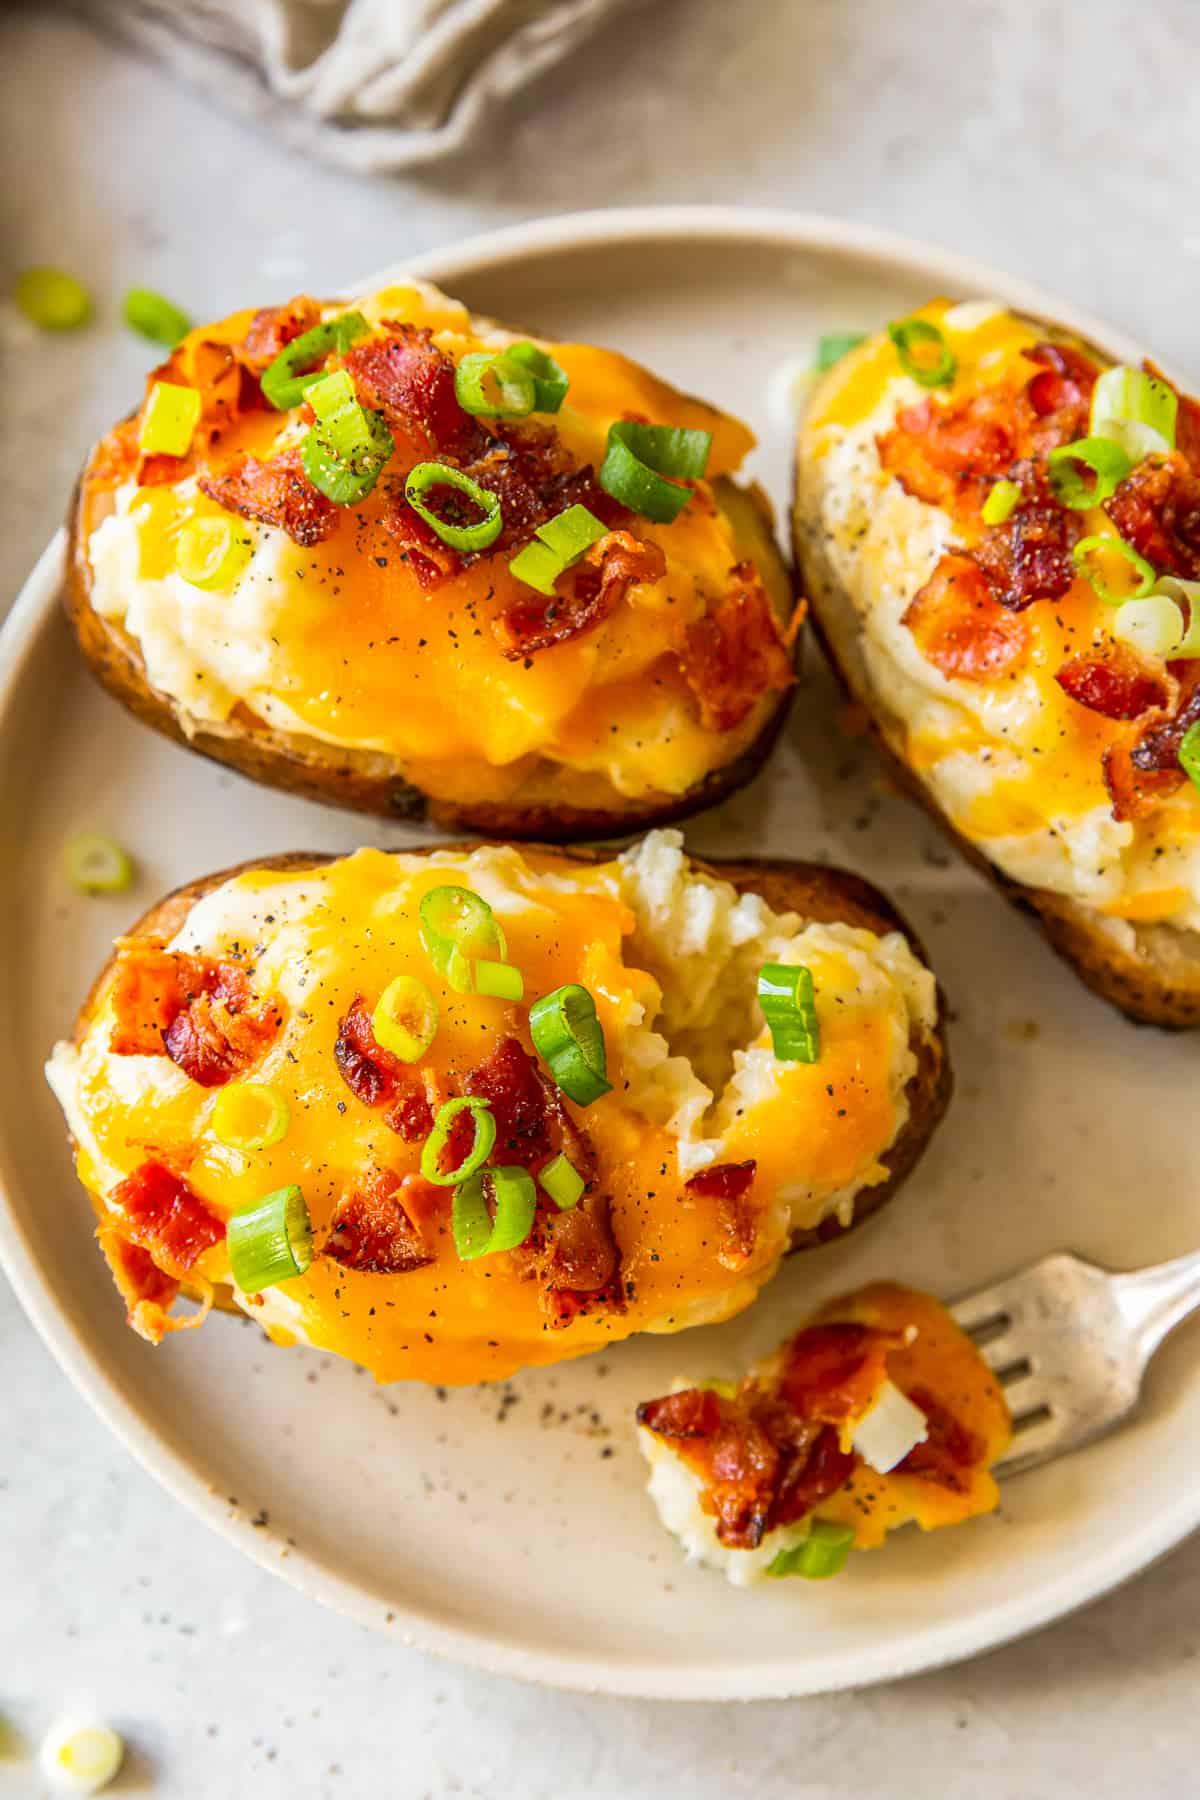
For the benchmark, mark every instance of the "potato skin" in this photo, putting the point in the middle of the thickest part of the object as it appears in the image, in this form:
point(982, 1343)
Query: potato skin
point(368, 782)
point(825, 895)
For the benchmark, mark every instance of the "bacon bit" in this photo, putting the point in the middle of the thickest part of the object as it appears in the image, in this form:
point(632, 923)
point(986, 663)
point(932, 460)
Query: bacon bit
point(729, 1184)
point(165, 1218)
point(198, 1010)
point(378, 1078)
point(1056, 401)
point(522, 1102)
point(1157, 750)
point(411, 1118)
point(411, 382)
point(691, 1413)
point(735, 654)
point(1157, 510)
point(372, 1232)
point(960, 626)
point(1135, 793)
point(1029, 558)
point(273, 327)
point(950, 1449)
point(148, 1293)
point(595, 588)
point(276, 492)
point(578, 1262)
point(1113, 681)
point(807, 1481)
point(431, 561)
point(831, 1370)
point(949, 455)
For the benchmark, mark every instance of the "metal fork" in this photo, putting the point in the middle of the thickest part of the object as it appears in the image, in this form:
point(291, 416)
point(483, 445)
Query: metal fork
point(1070, 1342)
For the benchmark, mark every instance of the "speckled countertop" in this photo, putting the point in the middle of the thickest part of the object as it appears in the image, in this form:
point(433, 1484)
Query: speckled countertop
point(1057, 140)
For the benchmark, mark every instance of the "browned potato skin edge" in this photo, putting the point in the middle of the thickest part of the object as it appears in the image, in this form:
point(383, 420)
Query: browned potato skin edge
point(818, 893)
point(115, 660)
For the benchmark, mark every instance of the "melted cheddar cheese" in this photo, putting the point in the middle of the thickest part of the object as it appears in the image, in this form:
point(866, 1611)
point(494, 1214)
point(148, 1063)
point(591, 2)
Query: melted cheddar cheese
point(695, 1084)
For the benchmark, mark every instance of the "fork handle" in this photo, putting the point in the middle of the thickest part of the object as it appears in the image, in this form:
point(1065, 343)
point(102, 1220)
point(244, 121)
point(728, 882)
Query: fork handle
point(1154, 1301)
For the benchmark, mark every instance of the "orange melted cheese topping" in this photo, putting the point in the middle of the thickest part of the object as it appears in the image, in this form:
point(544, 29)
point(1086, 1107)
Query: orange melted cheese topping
point(339, 641)
point(320, 939)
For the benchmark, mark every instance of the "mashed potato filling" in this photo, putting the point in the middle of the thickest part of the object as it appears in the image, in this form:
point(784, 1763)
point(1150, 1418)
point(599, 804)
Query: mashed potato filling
point(670, 957)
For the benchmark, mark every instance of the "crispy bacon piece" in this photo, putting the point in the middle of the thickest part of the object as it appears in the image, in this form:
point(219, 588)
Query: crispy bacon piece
point(1157, 510)
point(1157, 750)
point(525, 1106)
point(729, 1184)
point(960, 626)
point(378, 1078)
point(691, 1413)
point(735, 654)
point(593, 590)
point(1135, 792)
point(372, 1231)
point(1057, 400)
point(830, 1370)
point(950, 1450)
point(1114, 681)
point(1029, 558)
point(148, 1293)
point(198, 1010)
point(162, 1215)
point(411, 382)
point(949, 455)
point(273, 327)
point(276, 492)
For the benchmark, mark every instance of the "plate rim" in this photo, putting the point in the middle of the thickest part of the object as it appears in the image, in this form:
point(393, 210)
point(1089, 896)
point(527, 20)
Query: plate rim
point(34, 613)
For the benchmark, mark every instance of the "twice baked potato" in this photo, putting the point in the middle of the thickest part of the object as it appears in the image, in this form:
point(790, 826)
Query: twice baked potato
point(879, 1413)
point(396, 559)
point(454, 1112)
point(999, 535)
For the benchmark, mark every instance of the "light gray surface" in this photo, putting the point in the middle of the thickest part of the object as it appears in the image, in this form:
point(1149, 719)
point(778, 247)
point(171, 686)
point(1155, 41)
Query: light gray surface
point(1065, 155)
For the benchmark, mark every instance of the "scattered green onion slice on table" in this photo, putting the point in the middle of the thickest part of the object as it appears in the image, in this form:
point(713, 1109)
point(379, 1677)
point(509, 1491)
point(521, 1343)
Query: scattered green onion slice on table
point(500, 980)
point(637, 459)
point(820, 1554)
point(833, 345)
point(476, 1231)
point(154, 317)
point(1135, 410)
point(457, 925)
point(923, 351)
point(1084, 556)
point(250, 1115)
point(489, 384)
point(785, 994)
point(435, 1143)
point(342, 480)
point(557, 544)
point(405, 1019)
point(169, 419)
point(96, 864)
point(475, 535)
point(285, 382)
point(1001, 503)
point(270, 1240)
point(52, 299)
point(569, 1038)
point(562, 1181)
point(211, 553)
point(1107, 461)
point(550, 379)
point(1189, 753)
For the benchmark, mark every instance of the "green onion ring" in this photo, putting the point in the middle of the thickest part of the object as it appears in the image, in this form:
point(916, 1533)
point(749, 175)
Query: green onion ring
point(1001, 503)
point(211, 553)
point(488, 384)
point(476, 1232)
point(54, 300)
point(96, 864)
point(562, 1181)
point(405, 1019)
point(155, 318)
point(455, 926)
point(435, 1143)
point(273, 1120)
point(169, 419)
point(569, 1038)
point(1107, 462)
point(500, 980)
point(639, 456)
point(285, 382)
point(785, 994)
point(1185, 594)
point(1099, 541)
point(907, 335)
point(1136, 410)
point(270, 1240)
point(550, 379)
point(557, 544)
point(428, 475)
point(818, 1555)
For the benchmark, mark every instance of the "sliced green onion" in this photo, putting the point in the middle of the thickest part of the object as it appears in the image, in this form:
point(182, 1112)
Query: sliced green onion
point(550, 379)
point(1186, 596)
point(435, 1143)
point(557, 544)
point(52, 299)
point(785, 993)
point(170, 417)
point(79, 1756)
point(916, 340)
point(270, 1240)
point(1088, 548)
point(211, 553)
point(639, 456)
point(1135, 410)
point(477, 536)
point(346, 430)
point(487, 384)
point(833, 345)
point(563, 1182)
point(155, 318)
point(1153, 625)
point(1189, 753)
point(822, 1553)
point(405, 1019)
point(345, 479)
point(569, 1038)
point(295, 369)
point(457, 925)
point(1001, 503)
point(1107, 461)
point(95, 864)
point(476, 1232)
point(249, 1115)
point(499, 979)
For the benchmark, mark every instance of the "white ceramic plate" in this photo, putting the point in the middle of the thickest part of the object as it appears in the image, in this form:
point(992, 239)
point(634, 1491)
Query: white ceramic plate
point(508, 1528)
